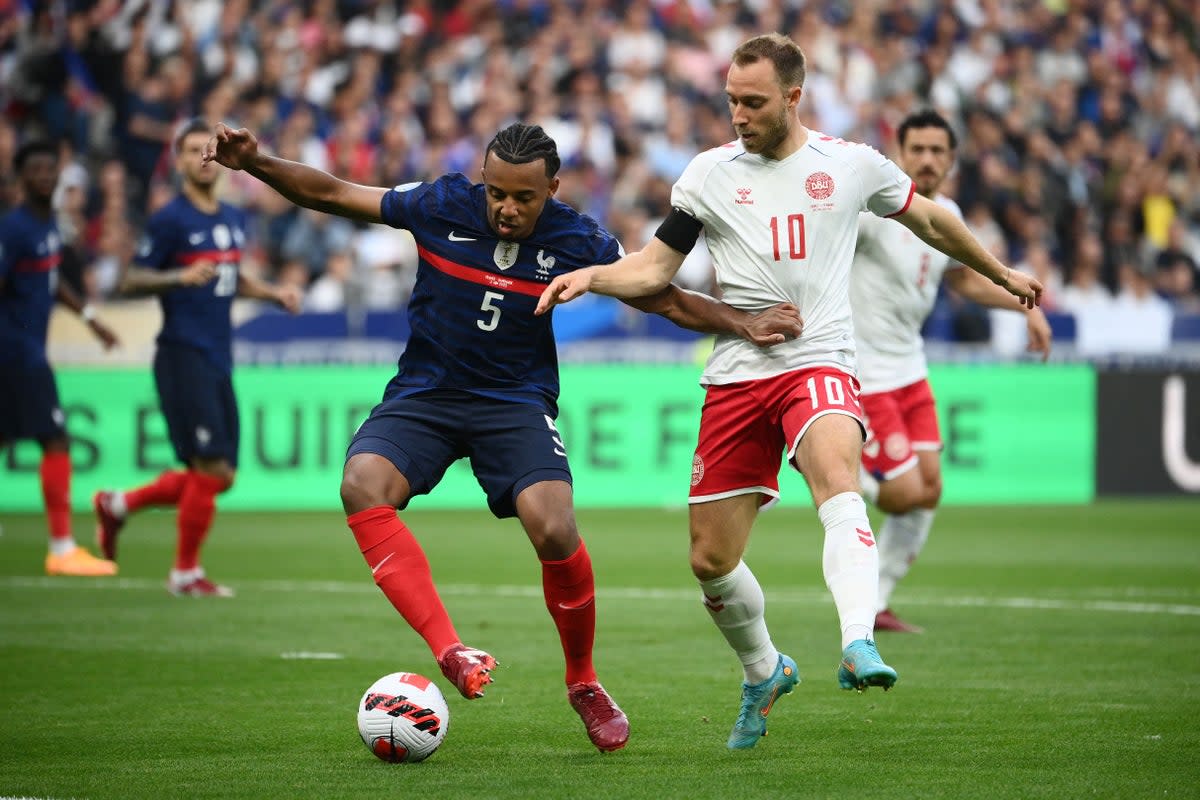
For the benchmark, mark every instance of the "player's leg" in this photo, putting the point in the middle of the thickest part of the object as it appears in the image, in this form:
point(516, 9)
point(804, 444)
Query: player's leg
point(823, 424)
point(206, 478)
point(38, 415)
point(735, 470)
point(401, 439)
point(521, 462)
point(112, 507)
point(904, 533)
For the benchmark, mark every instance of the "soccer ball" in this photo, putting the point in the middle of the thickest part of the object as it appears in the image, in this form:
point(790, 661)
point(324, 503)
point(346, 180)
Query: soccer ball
point(403, 717)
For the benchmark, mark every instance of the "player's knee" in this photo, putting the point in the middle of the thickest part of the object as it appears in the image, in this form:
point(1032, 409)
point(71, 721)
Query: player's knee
point(708, 564)
point(554, 539)
point(933, 493)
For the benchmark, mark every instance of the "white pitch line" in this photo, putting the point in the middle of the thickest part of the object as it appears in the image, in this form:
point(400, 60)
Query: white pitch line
point(800, 596)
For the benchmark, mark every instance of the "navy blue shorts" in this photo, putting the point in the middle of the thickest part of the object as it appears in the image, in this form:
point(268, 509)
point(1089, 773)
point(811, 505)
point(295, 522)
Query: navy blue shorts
point(29, 406)
point(511, 445)
point(198, 403)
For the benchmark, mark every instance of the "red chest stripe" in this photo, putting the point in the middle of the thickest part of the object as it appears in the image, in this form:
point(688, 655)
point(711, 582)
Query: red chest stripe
point(210, 255)
point(44, 264)
point(482, 277)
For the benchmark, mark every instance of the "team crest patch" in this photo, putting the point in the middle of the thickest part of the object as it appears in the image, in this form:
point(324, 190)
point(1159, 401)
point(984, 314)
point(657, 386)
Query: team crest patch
point(819, 185)
point(505, 254)
point(697, 470)
point(896, 446)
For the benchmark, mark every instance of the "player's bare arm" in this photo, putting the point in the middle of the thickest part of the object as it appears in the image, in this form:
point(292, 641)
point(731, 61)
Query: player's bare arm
point(637, 274)
point(66, 295)
point(286, 297)
point(940, 228)
point(977, 289)
point(699, 312)
point(141, 280)
point(301, 184)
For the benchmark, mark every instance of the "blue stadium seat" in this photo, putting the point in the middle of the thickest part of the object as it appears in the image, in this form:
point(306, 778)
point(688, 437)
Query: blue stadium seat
point(1186, 328)
point(1062, 325)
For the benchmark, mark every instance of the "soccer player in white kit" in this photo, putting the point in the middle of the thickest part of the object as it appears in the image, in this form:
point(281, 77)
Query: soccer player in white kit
point(893, 286)
point(780, 211)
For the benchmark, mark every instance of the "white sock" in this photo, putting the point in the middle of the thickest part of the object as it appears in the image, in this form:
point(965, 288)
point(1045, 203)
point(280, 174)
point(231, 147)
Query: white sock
point(900, 541)
point(60, 547)
point(736, 604)
point(116, 504)
point(868, 485)
point(851, 563)
point(182, 577)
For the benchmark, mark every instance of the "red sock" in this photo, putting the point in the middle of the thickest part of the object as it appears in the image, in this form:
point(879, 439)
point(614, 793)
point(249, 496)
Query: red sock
point(165, 490)
point(402, 572)
point(197, 506)
point(570, 590)
point(56, 492)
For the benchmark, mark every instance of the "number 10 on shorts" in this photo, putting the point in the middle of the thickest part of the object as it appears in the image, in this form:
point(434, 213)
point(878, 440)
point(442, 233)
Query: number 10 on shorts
point(834, 394)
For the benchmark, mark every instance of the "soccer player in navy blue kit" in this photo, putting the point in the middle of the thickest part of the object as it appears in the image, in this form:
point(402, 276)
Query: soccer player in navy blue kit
point(191, 257)
point(479, 379)
point(29, 407)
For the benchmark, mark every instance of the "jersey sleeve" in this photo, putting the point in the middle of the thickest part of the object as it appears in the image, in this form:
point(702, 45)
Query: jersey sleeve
point(405, 206)
point(685, 194)
point(886, 190)
point(157, 244)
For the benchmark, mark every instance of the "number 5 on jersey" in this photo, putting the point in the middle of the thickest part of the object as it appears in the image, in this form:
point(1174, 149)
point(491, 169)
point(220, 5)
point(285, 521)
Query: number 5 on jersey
point(488, 299)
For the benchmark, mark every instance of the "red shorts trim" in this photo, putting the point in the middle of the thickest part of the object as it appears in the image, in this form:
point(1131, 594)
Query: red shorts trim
point(747, 427)
point(899, 422)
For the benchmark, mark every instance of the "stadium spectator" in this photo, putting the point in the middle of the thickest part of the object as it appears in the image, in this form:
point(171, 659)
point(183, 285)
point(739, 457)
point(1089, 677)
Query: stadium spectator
point(479, 378)
point(30, 255)
point(191, 257)
point(801, 397)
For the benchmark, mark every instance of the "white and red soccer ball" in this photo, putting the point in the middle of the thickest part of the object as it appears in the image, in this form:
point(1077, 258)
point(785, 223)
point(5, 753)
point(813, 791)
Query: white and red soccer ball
point(403, 717)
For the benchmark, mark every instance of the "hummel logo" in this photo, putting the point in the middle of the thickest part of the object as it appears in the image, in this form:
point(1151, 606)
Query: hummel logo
point(454, 237)
point(375, 568)
point(196, 238)
point(744, 197)
point(865, 537)
point(713, 604)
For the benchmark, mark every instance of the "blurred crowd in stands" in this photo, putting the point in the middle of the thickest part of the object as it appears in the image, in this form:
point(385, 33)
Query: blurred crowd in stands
point(1079, 119)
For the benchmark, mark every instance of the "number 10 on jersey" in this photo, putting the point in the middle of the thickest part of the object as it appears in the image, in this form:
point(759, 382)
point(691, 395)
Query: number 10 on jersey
point(793, 230)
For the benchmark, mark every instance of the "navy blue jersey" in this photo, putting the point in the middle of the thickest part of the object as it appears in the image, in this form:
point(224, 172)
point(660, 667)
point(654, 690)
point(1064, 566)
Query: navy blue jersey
point(197, 316)
point(30, 252)
point(471, 311)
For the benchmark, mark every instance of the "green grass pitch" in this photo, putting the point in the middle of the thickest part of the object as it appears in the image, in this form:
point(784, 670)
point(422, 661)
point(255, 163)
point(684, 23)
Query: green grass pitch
point(1062, 660)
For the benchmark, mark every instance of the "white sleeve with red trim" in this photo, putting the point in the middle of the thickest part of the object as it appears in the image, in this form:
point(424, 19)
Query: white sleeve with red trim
point(886, 190)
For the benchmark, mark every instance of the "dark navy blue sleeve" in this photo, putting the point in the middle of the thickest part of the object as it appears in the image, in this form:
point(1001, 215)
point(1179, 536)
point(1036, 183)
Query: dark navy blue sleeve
point(158, 243)
point(406, 206)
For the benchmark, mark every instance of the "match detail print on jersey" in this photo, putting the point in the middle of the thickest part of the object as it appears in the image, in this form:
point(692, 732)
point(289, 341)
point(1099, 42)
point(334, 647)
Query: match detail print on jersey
point(479, 276)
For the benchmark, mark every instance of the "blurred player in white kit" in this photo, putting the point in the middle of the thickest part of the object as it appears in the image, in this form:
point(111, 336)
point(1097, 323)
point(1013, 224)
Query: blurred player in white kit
point(893, 287)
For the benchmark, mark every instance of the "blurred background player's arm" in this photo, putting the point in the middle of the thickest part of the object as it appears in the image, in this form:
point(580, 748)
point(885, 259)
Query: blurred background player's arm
point(978, 289)
point(699, 312)
point(287, 297)
point(301, 184)
point(143, 280)
point(66, 295)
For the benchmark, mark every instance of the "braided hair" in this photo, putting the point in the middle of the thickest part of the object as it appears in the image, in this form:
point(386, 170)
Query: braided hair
point(521, 144)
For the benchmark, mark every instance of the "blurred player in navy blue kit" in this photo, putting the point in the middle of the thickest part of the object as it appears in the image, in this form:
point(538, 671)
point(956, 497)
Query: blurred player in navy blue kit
point(191, 258)
point(479, 379)
point(29, 408)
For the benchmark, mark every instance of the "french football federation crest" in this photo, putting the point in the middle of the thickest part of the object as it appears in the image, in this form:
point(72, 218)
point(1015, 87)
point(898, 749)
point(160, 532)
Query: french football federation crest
point(222, 238)
point(505, 254)
point(545, 263)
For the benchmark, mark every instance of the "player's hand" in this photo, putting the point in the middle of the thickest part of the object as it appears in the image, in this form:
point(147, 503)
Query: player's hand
point(229, 148)
point(1038, 333)
point(564, 289)
point(198, 274)
point(775, 325)
point(289, 298)
point(104, 333)
point(1026, 288)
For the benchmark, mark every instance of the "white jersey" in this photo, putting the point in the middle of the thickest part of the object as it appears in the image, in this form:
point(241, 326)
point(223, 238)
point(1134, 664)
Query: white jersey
point(784, 232)
point(893, 286)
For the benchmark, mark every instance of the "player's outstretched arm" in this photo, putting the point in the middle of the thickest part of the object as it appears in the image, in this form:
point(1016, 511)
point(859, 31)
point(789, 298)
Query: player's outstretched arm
point(940, 228)
point(286, 297)
point(699, 312)
point(635, 275)
point(299, 183)
point(976, 288)
point(143, 280)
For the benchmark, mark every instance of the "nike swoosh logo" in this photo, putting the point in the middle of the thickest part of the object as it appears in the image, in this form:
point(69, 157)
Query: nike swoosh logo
point(375, 568)
point(454, 237)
